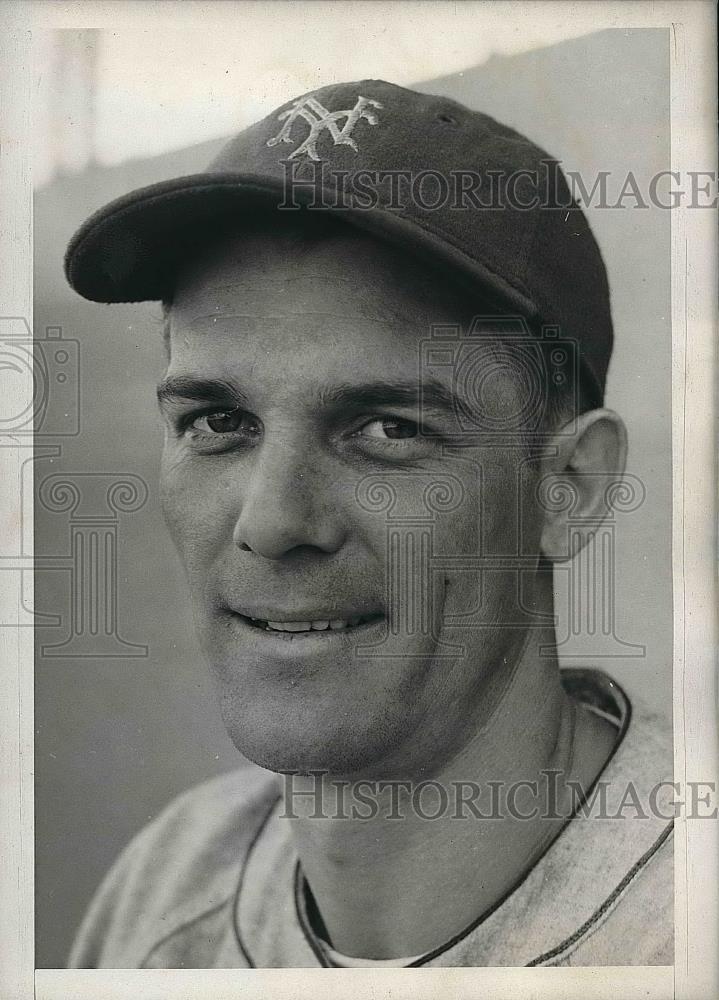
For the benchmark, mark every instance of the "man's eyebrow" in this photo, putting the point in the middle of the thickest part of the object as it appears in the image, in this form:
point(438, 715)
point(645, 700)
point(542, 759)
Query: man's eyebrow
point(203, 390)
point(430, 394)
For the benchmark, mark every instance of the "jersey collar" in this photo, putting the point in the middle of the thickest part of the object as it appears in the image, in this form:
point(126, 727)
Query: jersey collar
point(570, 882)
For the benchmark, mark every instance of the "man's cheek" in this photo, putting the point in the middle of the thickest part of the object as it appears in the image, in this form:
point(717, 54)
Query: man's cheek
point(175, 505)
point(500, 504)
point(186, 498)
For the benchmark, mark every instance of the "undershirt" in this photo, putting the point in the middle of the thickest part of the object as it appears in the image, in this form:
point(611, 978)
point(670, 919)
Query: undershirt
point(347, 962)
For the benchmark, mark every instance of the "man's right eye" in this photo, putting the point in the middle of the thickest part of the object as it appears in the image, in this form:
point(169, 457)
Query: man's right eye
point(226, 422)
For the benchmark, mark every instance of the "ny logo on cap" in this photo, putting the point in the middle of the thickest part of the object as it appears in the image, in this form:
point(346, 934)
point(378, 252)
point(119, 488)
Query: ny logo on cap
point(319, 118)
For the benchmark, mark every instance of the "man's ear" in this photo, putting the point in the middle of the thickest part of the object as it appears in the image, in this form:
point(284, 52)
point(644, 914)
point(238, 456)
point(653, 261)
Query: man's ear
point(576, 483)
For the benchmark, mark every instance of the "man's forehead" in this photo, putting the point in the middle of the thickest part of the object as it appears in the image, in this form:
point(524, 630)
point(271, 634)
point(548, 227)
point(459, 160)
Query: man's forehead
point(248, 304)
point(317, 362)
point(298, 268)
point(319, 307)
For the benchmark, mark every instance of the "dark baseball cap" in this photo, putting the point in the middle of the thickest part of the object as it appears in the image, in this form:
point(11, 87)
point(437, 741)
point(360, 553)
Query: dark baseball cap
point(448, 184)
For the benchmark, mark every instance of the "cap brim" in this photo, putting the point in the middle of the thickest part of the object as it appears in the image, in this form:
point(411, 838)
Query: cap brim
point(130, 250)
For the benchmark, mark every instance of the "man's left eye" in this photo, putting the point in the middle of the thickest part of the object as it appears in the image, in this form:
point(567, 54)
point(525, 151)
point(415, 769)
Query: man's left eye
point(389, 429)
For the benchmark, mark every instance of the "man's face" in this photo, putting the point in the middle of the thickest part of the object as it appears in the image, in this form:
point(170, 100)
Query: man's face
point(300, 493)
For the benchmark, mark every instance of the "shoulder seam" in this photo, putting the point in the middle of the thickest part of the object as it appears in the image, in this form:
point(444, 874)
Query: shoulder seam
point(184, 926)
point(608, 902)
point(229, 898)
point(241, 881)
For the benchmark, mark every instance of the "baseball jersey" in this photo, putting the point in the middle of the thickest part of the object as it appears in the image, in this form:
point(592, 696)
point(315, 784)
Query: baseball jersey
point(215, 881)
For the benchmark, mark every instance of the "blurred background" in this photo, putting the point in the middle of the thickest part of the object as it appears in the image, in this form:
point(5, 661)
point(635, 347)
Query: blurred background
point(125, 717)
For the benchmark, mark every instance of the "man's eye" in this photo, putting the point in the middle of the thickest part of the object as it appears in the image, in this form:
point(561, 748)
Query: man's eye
point(389, 428)
point(226, 422)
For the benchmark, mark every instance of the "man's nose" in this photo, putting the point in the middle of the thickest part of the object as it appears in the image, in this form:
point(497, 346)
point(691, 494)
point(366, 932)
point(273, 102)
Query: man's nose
point(285, 504)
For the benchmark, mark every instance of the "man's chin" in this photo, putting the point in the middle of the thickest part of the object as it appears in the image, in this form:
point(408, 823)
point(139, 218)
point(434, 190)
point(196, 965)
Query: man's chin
point(291, 746)
point(348, 716)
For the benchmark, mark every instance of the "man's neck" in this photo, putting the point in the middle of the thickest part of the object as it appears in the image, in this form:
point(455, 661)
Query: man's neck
point(401, 886)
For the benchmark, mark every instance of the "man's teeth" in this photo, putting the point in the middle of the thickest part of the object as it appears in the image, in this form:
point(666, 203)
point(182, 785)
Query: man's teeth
point(318, 626)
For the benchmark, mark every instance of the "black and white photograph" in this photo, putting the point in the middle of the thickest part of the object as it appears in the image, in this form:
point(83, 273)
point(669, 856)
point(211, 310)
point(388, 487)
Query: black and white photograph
point(364, 494)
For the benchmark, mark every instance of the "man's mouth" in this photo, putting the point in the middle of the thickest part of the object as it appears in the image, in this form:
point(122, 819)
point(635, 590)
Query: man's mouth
point(299, 626)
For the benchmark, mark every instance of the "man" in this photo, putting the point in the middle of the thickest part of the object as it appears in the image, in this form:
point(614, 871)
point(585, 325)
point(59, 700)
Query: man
point(388, 333)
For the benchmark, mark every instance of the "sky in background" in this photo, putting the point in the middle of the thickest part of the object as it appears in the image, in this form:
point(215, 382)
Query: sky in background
point(165, 76)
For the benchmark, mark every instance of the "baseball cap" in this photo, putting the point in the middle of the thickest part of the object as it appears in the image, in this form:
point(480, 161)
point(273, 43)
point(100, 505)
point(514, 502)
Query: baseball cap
point(446, 183)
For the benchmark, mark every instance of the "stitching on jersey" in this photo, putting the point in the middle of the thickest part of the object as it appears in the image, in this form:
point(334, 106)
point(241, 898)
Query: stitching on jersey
point(182, 927)
point(214, 909)
point(464, 934)
point(611, 899)
point(241, 881)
